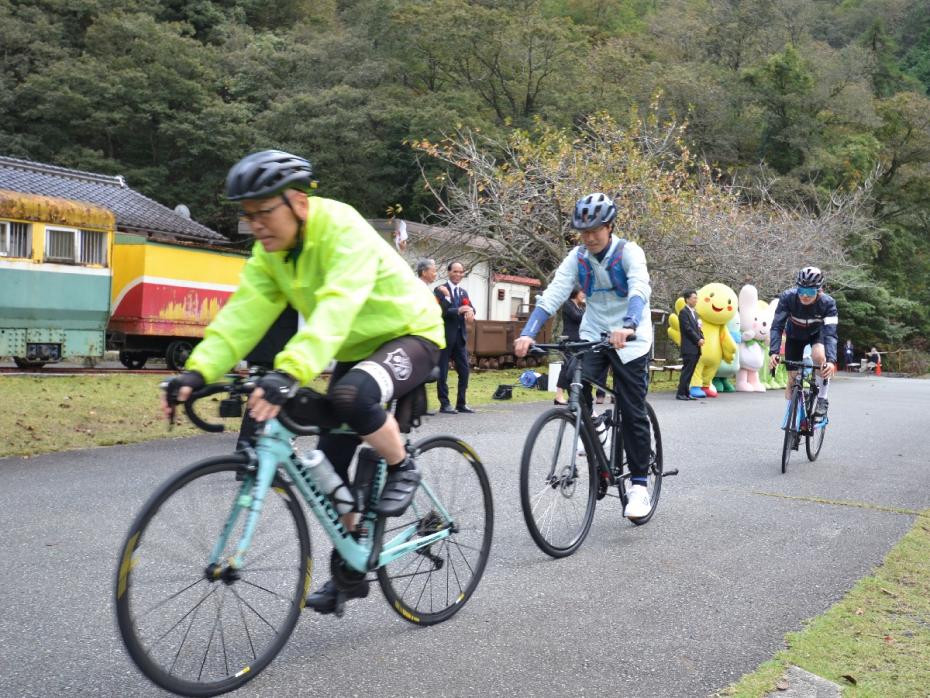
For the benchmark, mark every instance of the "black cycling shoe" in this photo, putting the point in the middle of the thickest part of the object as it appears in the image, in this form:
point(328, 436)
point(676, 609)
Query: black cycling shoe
point(820, 409)
point(399, 488)
point(326, 599)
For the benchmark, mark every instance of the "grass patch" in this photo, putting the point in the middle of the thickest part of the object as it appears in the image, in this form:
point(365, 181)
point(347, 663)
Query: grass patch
point(876, 641)
point(58, 413)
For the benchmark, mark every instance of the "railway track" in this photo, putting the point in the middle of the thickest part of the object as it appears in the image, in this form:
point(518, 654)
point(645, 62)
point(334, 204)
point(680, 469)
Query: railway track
point(64, 371)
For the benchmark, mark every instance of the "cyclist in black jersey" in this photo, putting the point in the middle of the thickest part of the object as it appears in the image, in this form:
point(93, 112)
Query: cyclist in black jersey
point(807, 315)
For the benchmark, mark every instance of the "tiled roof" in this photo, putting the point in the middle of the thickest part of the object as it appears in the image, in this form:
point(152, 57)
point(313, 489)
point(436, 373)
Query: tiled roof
point(134, 212)
point(436, 233)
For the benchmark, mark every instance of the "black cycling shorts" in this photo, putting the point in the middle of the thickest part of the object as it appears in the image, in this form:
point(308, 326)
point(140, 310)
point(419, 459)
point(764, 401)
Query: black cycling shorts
point(794, 348)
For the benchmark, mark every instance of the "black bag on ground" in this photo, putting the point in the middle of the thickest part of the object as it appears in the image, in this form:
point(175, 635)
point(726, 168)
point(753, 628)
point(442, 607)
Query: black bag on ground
point(503, 392)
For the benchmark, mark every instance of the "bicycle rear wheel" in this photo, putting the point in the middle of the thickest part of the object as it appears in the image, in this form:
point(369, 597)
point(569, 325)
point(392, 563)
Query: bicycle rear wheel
point(654, 474)
point(432, 583)
point(558, 500)
point(187, 630)
point(792, 437)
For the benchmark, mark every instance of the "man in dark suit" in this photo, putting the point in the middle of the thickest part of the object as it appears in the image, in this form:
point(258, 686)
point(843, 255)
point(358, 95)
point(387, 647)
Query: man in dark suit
point(457, 310)
point(692, 339)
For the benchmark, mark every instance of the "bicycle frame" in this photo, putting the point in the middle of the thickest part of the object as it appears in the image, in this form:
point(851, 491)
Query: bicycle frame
point(273, 451)
point(803, 374)
point(605, 463)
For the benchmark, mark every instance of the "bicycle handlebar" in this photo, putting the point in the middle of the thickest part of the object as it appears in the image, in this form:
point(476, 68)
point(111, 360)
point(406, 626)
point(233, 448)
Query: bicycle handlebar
point(294, 427)
point(238, 386)
point(206, 391)
point(797, 365)
point(575, 347)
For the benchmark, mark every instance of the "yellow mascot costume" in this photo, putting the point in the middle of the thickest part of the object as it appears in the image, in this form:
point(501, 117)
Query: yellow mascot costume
point(716, 306)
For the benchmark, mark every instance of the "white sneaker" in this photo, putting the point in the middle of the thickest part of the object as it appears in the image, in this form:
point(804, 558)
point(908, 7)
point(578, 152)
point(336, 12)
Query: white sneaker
point(638, 503)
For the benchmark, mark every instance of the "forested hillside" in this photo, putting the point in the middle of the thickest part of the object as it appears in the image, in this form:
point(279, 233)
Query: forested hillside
point(813, 96)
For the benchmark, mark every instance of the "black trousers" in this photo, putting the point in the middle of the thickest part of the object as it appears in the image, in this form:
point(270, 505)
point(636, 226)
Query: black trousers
point(687, 372)
point(631, 382)
point(459, 354)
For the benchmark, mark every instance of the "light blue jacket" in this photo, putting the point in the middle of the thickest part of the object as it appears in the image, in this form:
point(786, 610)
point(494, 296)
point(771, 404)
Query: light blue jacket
point(605, 310)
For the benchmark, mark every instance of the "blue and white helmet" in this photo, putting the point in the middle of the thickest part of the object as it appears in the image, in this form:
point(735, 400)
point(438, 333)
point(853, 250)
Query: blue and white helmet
point(592, 211)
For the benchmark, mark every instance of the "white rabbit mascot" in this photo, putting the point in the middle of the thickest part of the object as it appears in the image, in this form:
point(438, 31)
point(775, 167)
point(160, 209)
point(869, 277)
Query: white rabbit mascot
point(754, 348)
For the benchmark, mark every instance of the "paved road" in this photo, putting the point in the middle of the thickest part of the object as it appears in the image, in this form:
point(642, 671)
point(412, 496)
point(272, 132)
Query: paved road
point(736, 556)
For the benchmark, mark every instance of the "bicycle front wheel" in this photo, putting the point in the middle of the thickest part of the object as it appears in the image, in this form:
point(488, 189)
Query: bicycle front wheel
point(189, 630)
point(431, 584)
point(558, 498)
point(792, 437)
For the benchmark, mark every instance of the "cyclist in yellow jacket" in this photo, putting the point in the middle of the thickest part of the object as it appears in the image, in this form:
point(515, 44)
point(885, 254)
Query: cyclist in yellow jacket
point(362, 305)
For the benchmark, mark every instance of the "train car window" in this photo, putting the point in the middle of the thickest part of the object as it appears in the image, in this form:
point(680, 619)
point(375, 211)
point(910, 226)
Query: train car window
point(93, 247)
point(15, 239)
point(60, 245)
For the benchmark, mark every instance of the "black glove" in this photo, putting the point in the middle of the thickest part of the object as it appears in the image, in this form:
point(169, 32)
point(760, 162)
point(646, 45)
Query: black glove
point(189, 379)
point(279, 387)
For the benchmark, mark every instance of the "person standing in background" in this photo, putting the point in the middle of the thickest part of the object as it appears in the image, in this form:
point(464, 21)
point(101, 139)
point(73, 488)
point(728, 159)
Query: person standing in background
point(572, 313)
point(457, 312)
point(426, 271)
point(692, 339)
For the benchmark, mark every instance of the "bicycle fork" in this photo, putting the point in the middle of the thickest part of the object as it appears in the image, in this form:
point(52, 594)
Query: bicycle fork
point(256, 482)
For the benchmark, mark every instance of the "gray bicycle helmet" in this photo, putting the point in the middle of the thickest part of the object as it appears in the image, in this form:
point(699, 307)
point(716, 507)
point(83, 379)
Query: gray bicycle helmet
point(810, 277)
point(592, 211)
point(267, 173)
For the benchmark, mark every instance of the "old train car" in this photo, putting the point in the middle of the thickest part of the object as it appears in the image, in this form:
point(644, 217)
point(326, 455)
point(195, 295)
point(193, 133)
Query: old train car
point(55, 277)
point(490, 343)
point(164, 295)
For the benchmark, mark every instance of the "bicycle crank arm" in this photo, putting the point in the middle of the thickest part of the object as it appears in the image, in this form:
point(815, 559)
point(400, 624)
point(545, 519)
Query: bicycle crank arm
point(670, 473)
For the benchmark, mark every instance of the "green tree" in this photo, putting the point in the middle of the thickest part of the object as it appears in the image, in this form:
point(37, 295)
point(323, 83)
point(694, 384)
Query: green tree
point(783, 87)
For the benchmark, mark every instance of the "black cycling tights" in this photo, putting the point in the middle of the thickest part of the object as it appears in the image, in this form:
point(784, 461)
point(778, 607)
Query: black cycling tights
point(359, 390)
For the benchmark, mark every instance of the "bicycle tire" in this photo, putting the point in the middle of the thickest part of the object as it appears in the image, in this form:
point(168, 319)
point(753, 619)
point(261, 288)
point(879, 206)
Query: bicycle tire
point(813, 440)
point(548, 469)
point(429, 585)
point(791, 434)
point(164, 558)
point(655, 468)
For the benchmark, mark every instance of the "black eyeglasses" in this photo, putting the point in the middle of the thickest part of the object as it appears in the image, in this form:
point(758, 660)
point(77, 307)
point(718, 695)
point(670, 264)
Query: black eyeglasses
point(261, 214)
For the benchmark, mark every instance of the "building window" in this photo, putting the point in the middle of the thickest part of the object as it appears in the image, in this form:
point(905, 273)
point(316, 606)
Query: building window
point(59, 245)
point(15, 239)
point(71, 246)
point(516, 305)
point(93, 248)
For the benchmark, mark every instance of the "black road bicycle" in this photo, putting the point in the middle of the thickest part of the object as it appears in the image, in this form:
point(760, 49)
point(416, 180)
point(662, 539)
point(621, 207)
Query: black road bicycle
point(565, 468)
point(799, 418)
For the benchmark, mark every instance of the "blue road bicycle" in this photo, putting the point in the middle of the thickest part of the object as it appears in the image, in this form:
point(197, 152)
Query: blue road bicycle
point(214, 571)
point(798, 421)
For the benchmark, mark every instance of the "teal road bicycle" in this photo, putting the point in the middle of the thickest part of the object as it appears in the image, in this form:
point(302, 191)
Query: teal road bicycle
point(214, 571)
point(798, 421)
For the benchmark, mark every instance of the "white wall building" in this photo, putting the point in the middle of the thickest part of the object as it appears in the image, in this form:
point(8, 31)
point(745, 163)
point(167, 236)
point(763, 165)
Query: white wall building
point(494, 296)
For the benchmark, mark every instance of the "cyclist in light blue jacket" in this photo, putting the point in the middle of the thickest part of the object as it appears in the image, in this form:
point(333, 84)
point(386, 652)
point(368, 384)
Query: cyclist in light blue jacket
point(613, 274)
